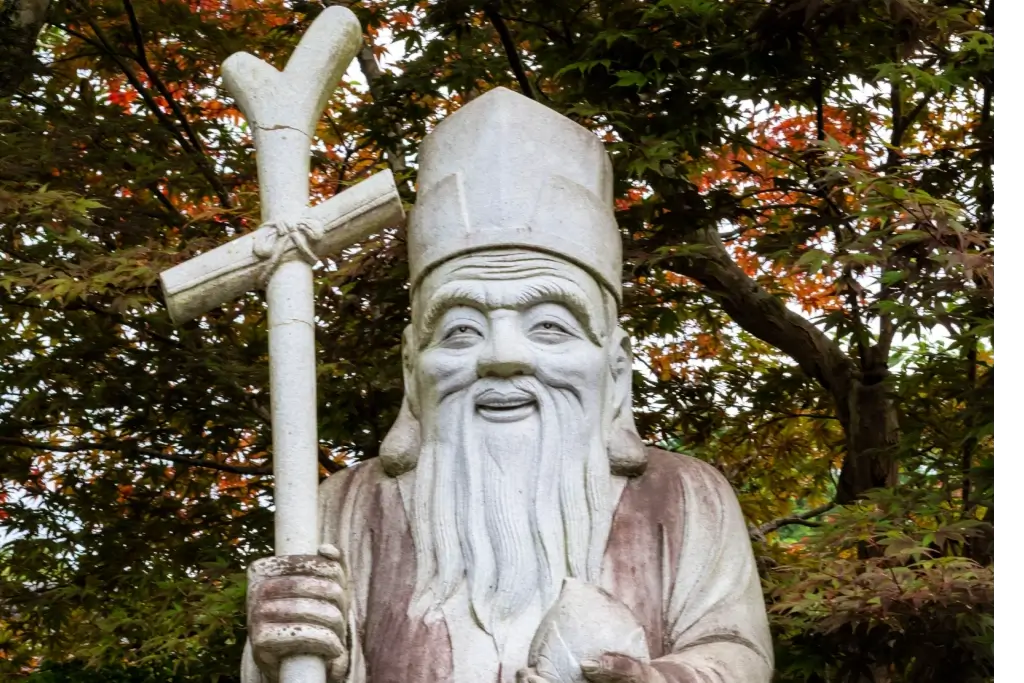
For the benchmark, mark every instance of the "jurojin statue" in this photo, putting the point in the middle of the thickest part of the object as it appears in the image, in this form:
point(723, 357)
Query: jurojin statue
point(514, 525)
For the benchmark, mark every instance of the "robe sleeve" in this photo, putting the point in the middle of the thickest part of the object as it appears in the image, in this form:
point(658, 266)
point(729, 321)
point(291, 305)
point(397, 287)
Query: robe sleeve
point(716, 626)
point(340, 526)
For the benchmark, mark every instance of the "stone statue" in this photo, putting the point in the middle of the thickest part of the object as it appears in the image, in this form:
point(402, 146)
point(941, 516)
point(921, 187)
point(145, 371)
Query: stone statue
point(514, 527)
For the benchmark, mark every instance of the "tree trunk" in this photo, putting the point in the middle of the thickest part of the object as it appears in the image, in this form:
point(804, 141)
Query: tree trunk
point(870, 423)
point(859, 390)
point(20, 23)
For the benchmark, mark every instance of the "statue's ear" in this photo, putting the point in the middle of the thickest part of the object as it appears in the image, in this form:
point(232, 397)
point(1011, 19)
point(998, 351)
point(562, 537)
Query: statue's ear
point(409, 351)
point(627, 454)
point(400, 449)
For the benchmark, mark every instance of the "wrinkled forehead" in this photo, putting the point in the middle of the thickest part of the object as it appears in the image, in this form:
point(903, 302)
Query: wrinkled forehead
point(512, 278)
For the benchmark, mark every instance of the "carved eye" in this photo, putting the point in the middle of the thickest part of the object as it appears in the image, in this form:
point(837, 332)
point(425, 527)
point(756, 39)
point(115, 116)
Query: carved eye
point(460, 336)
point(549, 332)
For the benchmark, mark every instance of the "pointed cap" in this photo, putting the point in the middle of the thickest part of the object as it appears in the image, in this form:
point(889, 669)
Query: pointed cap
point(506, 171)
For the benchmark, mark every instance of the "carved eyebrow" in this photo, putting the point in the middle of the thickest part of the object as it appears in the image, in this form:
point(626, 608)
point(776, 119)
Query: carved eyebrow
point(539, 290)
point(565, 293)
point(446, 297)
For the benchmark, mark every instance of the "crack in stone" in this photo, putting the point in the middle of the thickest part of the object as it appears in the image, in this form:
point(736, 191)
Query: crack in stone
point(282, 126)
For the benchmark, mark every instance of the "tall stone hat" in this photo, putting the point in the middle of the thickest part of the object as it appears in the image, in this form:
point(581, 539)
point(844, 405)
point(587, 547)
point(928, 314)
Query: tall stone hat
point(506, 171)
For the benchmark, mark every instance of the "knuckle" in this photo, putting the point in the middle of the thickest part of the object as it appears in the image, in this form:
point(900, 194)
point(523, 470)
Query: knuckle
point(296, 587)
point(336, 594)
point(295, 565)
point(300, 611)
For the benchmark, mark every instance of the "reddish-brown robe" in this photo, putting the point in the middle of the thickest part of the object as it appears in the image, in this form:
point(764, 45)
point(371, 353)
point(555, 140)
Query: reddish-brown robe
point(678, 555)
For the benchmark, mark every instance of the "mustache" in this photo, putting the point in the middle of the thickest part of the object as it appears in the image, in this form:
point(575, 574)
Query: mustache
point(513, 390)
point(467, 381)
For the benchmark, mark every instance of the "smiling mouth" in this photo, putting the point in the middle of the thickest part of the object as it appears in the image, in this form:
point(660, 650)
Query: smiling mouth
point(505, 408)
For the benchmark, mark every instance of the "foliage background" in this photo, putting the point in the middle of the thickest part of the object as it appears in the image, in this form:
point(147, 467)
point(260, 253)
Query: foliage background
point(805, 192)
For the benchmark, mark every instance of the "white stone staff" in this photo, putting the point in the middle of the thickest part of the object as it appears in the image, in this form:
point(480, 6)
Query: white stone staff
point(282, 109)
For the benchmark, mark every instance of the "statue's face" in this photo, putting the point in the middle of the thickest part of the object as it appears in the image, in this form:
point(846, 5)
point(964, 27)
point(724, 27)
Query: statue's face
point(515, 370)
point(483, 320)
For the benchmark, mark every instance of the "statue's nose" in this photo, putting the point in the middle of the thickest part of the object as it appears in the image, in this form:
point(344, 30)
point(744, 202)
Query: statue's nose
point(506, 353)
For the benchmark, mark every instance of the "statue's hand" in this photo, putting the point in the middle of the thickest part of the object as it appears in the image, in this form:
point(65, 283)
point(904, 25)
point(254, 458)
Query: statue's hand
point(617, 668)
point(297, 605)
point(530, 675)
point(610, 668)
point(588, 623)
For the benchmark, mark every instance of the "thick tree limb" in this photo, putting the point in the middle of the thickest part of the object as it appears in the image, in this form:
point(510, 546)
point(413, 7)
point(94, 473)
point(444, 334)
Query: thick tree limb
point(372, 73)
point(762, 314)
point(858, 391)
point(130, 447)
point(20, 23)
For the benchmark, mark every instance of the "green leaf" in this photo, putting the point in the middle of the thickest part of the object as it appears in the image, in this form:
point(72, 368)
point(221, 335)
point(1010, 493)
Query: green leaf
point(630, 78)
point(891, 277)
point(812, 260)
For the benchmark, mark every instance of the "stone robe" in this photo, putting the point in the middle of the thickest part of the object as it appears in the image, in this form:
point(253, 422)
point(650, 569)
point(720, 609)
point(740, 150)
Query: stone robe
point(678, 555)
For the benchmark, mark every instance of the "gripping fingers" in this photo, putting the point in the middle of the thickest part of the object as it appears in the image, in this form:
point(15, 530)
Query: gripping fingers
point(529, 676)
point(297, 606)
point(616, 668)
point(299, 611)
point(296, 565)
point(298, 587)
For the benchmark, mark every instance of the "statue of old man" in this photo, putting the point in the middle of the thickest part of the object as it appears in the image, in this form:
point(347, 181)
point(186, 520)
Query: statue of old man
point(515, 527)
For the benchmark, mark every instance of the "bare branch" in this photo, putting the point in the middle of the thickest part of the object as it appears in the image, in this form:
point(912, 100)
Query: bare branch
point(803, 519)
point(514, 61)
point(260, 411)
point(373, 74)
point(143, 61)
point(324, 458)
point(131, 447)
point(196, 154)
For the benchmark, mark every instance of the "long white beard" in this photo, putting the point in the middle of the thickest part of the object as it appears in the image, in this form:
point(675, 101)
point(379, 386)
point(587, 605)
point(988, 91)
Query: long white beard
point(511, 507)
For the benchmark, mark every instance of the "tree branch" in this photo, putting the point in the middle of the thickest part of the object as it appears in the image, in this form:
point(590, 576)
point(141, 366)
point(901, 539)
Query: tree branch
point(165, 202)
point(791, 416)
point(196, 154)
point(131, 447)
point(803, 519)
point(550, 32)
point(491, 12)
point(324, 458)
point(373, 74)
point(260, 411)
point(732, 234)
point(761, 313)
point(819, 108)
point(143, 61)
